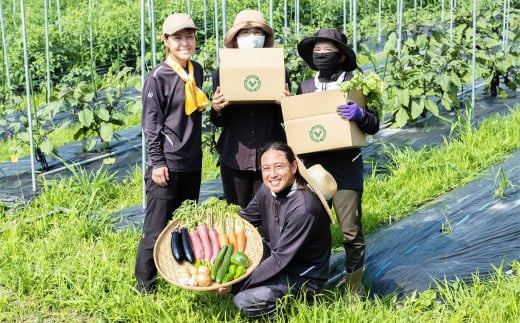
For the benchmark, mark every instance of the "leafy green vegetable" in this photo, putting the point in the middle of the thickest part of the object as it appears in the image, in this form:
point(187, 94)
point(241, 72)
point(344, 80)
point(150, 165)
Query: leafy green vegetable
point(372, 87)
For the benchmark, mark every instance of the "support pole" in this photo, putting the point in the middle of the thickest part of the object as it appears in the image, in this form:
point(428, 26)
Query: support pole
point(4, 46)
point(205, 20)
point(217, 42)
point(224, 18)
point(271, 13)
point(143, 73)
point(28, 93)
point(47, 54)
point(473, 58)
point(151, 16)
point(354, 27)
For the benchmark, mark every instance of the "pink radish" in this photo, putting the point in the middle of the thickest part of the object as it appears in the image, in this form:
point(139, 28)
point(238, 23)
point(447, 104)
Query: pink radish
point(215, 245)
point(202, 229)
point(196, 243)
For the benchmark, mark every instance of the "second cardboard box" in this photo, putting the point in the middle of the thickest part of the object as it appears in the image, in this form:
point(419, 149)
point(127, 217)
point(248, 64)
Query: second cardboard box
point(312, 123)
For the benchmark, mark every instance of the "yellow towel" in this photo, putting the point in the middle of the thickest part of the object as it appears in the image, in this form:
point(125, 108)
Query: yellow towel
point(194, 99)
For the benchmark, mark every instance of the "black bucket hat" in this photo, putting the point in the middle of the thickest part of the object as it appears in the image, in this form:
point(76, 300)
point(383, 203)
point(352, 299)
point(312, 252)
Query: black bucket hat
point(306, 47)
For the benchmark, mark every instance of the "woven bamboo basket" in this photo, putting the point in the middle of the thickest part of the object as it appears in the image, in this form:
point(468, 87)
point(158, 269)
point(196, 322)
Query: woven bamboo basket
point(171, 270)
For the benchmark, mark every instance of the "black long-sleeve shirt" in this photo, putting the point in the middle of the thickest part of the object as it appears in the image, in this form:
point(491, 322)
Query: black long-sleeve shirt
point(173, 139)
point(297, 230)
point(246, 128)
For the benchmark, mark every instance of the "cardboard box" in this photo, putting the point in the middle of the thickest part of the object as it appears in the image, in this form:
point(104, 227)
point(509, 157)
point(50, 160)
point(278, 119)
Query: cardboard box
point(252, 74)
point(313, 124)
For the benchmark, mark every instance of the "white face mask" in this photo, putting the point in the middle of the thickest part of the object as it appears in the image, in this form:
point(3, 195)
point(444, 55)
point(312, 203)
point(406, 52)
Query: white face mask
point(251, 41)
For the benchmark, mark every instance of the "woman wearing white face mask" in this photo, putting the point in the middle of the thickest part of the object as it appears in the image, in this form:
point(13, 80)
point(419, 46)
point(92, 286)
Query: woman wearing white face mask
point(251, 38)
point(246, 128)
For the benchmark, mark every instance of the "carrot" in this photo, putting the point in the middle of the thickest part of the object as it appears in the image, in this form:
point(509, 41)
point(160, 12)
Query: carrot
point(202, 230)
point(223, 239)
point(241, 236)
point(241, 241)
point(232, 237)
point(222, 236)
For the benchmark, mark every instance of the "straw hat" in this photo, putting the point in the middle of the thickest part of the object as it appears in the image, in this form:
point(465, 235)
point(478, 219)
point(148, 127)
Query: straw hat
point(321, 183)
point(306, 47)
point(177, 21)
point(249, 19)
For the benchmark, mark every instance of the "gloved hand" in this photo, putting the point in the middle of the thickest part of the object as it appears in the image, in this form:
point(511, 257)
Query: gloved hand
point(350, 111)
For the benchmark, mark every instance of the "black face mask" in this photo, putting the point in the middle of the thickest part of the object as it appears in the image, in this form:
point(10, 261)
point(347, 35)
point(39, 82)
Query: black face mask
point(327, 63)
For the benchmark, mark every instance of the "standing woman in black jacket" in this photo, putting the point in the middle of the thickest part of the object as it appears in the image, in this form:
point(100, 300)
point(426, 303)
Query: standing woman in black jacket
point(327, 52)
point(172, 126)
point(246, 127)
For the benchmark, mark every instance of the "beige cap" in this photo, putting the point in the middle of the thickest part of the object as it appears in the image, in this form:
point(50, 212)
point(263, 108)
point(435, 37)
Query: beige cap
point(249, 19)
point(176, 22)
point(321, 182)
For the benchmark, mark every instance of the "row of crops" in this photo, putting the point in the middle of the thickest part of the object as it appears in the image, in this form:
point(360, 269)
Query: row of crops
point(88, 53)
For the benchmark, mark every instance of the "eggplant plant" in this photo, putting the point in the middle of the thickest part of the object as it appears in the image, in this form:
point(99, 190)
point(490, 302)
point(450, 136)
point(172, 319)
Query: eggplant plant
point(43, 126)
point(496, 60)
point(406, 77)
point(426, 77)
point(97, 106)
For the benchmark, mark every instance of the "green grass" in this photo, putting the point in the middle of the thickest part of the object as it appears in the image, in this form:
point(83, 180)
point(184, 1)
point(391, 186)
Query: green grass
point(61, 261)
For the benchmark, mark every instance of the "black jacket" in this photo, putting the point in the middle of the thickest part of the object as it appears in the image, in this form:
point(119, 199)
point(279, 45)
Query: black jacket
point(297, 230)
point(246, 128)
point(173, 139)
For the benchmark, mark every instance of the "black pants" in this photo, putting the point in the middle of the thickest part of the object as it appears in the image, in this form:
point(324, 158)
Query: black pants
point(260, 301)
point(161, 203)
point(239, 185)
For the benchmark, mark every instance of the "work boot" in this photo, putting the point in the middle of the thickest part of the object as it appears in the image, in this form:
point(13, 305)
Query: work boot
point(352, 281)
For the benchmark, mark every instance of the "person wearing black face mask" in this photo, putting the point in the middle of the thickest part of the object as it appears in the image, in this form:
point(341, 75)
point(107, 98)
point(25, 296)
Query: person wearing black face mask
point(327, 63)
point(327, 52)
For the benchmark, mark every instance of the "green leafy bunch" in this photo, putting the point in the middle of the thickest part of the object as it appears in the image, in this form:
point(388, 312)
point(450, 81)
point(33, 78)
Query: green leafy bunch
point(372, 87)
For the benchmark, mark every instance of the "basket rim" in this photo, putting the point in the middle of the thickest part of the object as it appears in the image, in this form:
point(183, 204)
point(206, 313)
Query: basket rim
point(164, 239)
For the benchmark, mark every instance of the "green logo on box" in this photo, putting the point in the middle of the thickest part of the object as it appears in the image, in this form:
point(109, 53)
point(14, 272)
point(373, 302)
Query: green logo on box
point(252, 83)
point(318, 133)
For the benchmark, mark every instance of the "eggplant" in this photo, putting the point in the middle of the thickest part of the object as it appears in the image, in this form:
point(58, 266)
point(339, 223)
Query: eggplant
point(177, 250)
point(186, 245)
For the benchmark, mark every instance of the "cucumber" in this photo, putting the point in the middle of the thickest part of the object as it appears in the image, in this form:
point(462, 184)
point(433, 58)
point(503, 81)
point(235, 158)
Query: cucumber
point(222, 271)
point(218, 261)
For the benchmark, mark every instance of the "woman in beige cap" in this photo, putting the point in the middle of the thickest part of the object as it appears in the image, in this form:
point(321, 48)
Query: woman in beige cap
point(327, 53)
point(171, 122)
point(246, 128)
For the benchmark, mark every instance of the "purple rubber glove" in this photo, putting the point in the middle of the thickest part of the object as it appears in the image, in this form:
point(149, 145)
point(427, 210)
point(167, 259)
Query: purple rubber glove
point(350, 111)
